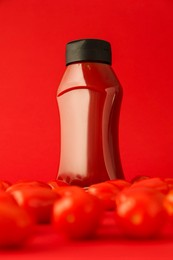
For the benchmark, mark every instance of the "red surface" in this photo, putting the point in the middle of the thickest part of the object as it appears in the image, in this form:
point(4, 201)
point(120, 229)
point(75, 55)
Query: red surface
point(109, 245)
point(33, 35)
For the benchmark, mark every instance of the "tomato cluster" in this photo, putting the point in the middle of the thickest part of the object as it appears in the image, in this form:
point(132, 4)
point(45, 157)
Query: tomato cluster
point(141, 208)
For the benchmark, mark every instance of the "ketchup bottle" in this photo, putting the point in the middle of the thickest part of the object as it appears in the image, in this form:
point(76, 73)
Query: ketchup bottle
point(89, 99)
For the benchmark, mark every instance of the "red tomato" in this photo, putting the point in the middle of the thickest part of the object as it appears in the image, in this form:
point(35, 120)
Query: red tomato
point(6, 197)
point(139, 178)
point(77, 216)
point(37, 201)
point(169, 182)
point(120, 184)
point(16, 226)
point(106, 192)
point(140, 212)
point(57, 183)
point(155, 183)
point(4, 185)
point(28, 184)
point(69, 190)
point(168, 203)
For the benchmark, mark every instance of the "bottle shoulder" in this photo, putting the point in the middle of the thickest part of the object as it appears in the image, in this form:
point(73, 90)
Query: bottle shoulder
point(94, 76)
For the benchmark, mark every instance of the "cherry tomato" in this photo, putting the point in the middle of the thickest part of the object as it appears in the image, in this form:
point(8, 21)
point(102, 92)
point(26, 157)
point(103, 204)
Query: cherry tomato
point(140, 212)
point(77, 216)
point(16, 226)
point(6, 197)
point(120, 184)
point(27, 184)
point(69, 191)
point(106, 192)
point(168, 203)
point(37, 201)
point(140, 178)
point(155, 183)
point(4, 185)
point(57, 183)
point(169, 182)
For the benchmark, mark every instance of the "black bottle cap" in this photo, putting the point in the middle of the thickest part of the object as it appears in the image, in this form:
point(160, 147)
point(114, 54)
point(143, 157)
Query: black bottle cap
point(93, 50)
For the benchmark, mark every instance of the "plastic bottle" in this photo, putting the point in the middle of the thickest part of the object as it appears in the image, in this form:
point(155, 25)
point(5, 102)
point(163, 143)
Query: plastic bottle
point(89, 99)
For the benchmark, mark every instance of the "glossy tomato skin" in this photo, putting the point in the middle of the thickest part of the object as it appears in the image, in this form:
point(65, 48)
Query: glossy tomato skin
point(169, 182)
point(4, 185)
point(55, 184)
point(7, 198)
point(140, 212)
point(77, 216)
point(153, 183)
point(16, 226)
point(140, 178)
point(168, 204)
point(64, 191)
point(37, 201)
point(27, 184)
point(106, 192)
point(119, 183)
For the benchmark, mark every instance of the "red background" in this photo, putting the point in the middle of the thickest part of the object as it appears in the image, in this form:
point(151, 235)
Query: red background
point(33, 35)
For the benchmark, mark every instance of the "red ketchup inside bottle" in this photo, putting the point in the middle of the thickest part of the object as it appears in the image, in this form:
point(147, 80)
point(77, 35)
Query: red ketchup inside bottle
point(89, 100)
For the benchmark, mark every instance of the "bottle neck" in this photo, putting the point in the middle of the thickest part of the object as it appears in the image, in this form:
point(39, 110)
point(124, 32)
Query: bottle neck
point(87, 62)
point(87, 72)
point(91, 75)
